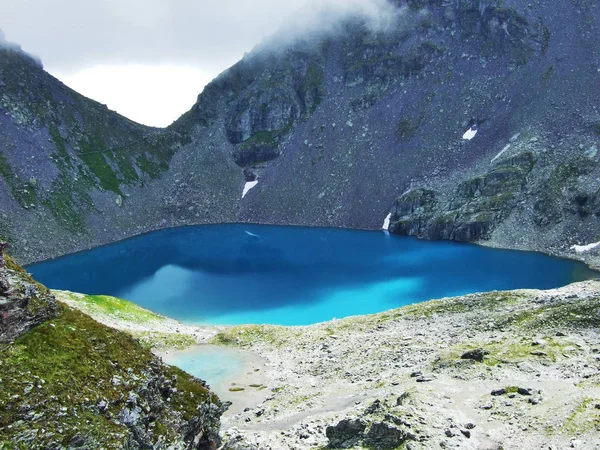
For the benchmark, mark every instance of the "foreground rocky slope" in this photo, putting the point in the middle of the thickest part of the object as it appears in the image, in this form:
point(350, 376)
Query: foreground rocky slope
point(499, 370)
point(335, 126)
point(69, 382)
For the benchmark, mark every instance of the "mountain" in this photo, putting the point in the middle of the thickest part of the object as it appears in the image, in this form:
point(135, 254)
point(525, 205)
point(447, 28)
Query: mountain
point(339, 128)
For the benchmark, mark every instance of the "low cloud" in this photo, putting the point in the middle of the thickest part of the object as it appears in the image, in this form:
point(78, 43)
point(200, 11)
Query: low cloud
point(11, 46)
point(210, 34)
point(317, 18)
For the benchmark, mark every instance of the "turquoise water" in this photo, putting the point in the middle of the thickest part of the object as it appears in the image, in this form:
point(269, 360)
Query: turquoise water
point(212, 364)
point(234, 274)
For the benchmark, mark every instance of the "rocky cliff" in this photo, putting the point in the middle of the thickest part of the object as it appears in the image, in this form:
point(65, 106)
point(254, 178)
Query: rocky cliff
point(339, 128)
point(69, 382)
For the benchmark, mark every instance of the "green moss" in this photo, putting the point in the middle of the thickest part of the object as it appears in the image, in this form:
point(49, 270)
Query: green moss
point(5, 230)
point(509, 351)
point(191, 392)
point(101, 168)
point(116, 307)
point(578, 314)
point(246, 334)
point(407, 128)
point(59, 143)
point(67, 202)
point(236, 389)
point(584, 418)
point(61, 370)
point(313, 83)
point(261, 138)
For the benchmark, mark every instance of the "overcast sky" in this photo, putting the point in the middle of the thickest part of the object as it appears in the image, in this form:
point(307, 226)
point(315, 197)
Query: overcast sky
point(148, 59)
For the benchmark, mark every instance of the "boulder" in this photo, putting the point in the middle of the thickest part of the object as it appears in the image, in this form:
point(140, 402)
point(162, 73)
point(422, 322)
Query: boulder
point(346, 434)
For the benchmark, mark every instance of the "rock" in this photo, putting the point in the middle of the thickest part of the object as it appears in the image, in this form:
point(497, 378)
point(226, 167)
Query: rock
point(119, 201)
point(238, 443)
point(402, 399)
point(498, 392)
point(466, 433)
point(24, 303)
point(525, 391)
point(375, 406)
point(475, 355)
point(346, 434)
point(535, 399)
point(382, 436)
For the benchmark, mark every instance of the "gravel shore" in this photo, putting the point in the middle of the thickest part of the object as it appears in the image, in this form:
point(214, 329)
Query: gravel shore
point(517, 369)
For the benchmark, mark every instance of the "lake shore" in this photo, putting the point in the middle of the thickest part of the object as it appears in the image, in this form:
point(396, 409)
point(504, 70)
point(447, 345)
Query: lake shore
point(515, 369)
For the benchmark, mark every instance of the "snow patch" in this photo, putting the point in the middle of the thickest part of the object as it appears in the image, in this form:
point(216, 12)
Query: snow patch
point(504, 150)
point(249, 185)
point(386, 222)
point(585, 248)
point(470, 133)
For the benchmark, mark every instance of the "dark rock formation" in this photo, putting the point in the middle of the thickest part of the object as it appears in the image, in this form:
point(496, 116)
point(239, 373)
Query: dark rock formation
point(23, 302)
point(382, 436)
point(477, 206)
point(346, 434)
point(477, 354)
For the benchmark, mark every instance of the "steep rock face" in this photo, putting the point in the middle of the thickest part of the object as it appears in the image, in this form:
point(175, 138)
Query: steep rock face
point(335, 126)
point(474, 209)
point(75, 174)
point(70, 382)
point(23, 302)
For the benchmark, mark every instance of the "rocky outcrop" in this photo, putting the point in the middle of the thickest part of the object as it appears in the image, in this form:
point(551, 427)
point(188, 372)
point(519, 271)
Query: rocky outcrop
point(475, 209)
point(24, 303)
point(70, 382)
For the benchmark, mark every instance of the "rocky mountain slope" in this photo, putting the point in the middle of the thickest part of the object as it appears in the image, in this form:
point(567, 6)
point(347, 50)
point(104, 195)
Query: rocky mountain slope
point(70, 382)
point(339, 128)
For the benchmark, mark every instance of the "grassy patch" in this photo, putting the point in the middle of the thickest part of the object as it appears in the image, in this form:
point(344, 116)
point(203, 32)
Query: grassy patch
point(245, 335)
point(261, 138)
point(585, 417)
point(511, 351)
point(112, 306)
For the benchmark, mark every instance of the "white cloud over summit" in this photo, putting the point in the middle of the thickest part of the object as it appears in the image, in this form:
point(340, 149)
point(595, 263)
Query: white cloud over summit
point(74, 37)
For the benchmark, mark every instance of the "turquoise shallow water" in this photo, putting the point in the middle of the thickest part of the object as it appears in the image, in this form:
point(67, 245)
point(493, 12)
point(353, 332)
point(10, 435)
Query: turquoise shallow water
point(234, 274)
point(212, 364)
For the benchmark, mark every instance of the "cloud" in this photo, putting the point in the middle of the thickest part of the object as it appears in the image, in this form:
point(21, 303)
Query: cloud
point(149, 59)
point(11, 46)
point(212, 34)
point(318, 18)
point(154, 95)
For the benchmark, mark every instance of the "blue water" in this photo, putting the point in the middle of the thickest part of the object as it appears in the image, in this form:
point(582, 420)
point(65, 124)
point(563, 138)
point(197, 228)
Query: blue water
point(212, 364)
point(234, 274)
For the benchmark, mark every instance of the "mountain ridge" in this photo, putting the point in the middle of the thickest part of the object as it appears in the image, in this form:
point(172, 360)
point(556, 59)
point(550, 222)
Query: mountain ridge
point(336, 128)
